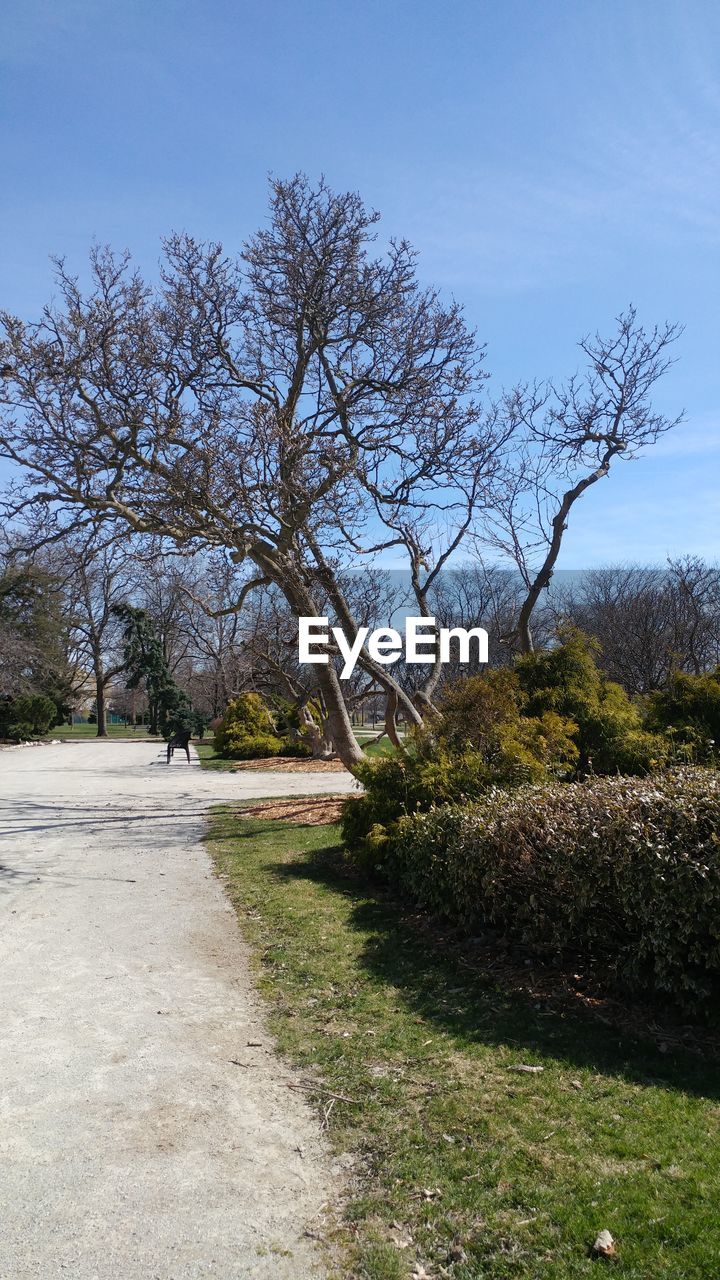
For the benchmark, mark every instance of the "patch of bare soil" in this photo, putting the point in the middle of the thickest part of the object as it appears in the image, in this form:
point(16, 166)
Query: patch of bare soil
point(289, 764)
point(312, 811)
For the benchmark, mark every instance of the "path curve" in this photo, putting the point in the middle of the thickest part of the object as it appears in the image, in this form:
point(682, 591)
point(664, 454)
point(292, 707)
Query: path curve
point(131, 1147)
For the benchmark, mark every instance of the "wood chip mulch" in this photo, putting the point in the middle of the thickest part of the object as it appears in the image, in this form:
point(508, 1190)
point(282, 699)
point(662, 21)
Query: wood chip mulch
point(306, 811)
point(288, 764)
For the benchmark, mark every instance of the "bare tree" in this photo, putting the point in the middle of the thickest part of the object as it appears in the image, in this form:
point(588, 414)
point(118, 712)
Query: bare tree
point(304, 406)
point(99, 575)
point(304, 409)
point(649, 621)
point(629, 611)
point(478, 595)
point(572, 435)
point(269, 652)
point(94, 572)
point(217, 631)
point(696, 595)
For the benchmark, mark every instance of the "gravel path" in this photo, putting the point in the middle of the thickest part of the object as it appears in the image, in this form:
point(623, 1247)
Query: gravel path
point(130, 1145)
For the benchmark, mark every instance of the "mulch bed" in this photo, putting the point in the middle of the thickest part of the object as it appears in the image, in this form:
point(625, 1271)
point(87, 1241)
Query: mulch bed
point(288, 764)
point(306, 811)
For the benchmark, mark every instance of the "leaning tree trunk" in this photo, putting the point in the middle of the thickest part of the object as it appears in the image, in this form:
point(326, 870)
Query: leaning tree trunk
point(337, 722)
point(337, 719)
point(391, 706)
point(558, 526)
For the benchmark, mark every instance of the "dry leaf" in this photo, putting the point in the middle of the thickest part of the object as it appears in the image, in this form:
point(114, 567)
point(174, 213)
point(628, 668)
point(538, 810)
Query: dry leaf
point(604, 1246)
point(401, 1241)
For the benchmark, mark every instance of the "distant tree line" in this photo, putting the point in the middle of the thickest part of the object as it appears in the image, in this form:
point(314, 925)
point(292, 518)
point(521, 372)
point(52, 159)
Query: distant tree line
point(126, 624)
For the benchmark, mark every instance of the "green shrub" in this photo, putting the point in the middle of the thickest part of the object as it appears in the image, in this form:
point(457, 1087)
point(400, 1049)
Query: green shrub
point(248, 731)
point(688, 711)
point(254, 746)
point(297, 748)
point(21, 732)
point(29, 715)
point(611, 737)
point(244, 725)
point(623, 873)
point(482, 741)
point(487, 713)
point(423, 775)
point(429, 772)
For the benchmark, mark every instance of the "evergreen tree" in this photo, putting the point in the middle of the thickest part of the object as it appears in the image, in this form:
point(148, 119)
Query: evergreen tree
point(169, 705)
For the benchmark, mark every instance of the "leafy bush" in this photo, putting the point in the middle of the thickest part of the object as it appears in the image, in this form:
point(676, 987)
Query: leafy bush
point(254, 746)
point(246, 718)
point(21, 732)
point(423, 775)
point(487, 713)
point(482, 741)
point(622, 872)
point(430, 772)
point(688, 711)
point(29, 715)
point(297, 748)
point(566, 680)
point(247, 731)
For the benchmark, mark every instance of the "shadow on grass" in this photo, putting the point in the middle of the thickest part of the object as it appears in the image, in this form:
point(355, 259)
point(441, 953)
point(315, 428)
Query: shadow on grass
point(479, 995)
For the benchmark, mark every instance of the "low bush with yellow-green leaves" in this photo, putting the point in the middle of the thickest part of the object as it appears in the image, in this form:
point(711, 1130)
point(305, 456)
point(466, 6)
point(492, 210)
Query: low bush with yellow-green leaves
point(553, 716)
point(611, 732)
point(623, 873)
point(482, 741)
point(687, 712)
point(248, 731)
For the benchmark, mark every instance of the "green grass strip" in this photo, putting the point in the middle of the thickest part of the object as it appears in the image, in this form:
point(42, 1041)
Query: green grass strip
point(466, 1168)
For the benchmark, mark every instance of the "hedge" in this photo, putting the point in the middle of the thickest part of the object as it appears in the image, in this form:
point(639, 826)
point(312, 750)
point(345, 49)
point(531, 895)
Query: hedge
point(621, 873)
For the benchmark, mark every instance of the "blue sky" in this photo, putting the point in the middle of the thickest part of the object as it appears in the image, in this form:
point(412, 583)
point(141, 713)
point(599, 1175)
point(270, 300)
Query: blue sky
point(551, 160)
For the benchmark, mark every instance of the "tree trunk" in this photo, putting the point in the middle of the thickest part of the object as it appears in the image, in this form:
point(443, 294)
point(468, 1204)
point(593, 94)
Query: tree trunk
point(391, 706)
point(322, 747)
point(338, 719)
point(100, 706)
point(559, 524)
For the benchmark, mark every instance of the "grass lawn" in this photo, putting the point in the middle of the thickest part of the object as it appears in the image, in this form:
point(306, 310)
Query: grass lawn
point(382, 748)
point(467, 1168)
point(208, 759)
point(80, 732)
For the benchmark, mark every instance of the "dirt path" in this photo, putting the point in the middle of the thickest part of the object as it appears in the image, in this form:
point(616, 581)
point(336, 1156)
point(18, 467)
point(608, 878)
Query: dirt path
point(131, 1146)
